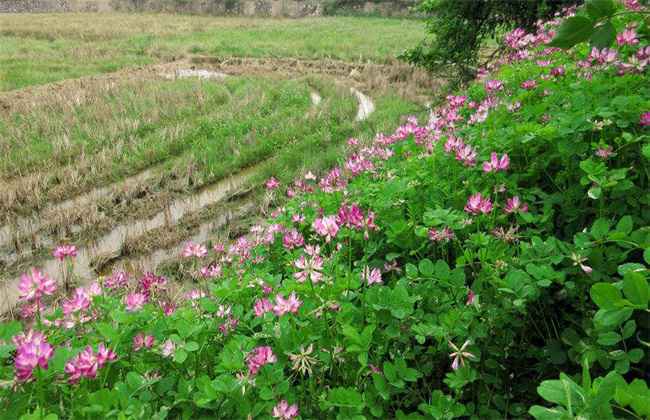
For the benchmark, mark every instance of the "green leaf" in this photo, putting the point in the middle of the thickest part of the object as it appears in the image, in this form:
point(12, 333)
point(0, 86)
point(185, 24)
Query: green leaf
point(134, 380)
point(600, 228)
point(180, 356)
point(345, 397)
point(635, 355)
point(603, 36)
point(635, 287)
point(609, 338)
point(605, 295)
point(574, 30)
point(192, 346)
point(646, 255)
point(599, 9)
point(612, 317)
point(625, 225)
point(543, 413)
point(564, 392)
point(426, 267)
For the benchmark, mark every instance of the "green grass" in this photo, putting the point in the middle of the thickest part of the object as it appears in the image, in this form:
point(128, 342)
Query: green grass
point(37, 49)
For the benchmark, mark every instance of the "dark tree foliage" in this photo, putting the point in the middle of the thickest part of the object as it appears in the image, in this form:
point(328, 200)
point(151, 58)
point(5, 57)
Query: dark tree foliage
point(458, 28)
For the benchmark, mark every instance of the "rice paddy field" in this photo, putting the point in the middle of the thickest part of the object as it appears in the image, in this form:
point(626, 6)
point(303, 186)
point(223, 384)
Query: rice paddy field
point(129, 135)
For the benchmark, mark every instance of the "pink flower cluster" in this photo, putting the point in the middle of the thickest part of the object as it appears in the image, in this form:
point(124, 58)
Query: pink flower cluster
point(514, 205)
point(34, 285)
point(371, 276)
point(141, 341)
point(87, 363)
point(644, 121)
point(62, 252)
point(284, 411)
point(259, 357)
point(477, 204)
point(272, 183)
point(194, 250)
point(32, 351)
point(496, 163)
point(326, 226)
point(442, 235)
point(310, 269)
point(281, 307)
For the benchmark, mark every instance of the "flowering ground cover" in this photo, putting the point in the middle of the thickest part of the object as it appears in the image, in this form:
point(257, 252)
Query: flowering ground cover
point(488, 261)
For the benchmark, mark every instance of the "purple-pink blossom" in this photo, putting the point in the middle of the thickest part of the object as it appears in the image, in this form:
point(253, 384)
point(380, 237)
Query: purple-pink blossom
point(32, 351)
point(514, 204)
point(442, 235)
point(62, 252)
point(290, 304)
point(529, 84)
point(284, 411)
point(262, 306)
point(87, 363)
point(496, 163)
point(493, 86)
point(326, 226)
point(293, 239)
point(259, 357)
point(272, 183)
point(476, 204)
point(627, 37)
point(135, 301)
point(35, 284)
point(644, 121)
point(371, 276)
point(141, 341)
point(310, 269)
point(194, 250)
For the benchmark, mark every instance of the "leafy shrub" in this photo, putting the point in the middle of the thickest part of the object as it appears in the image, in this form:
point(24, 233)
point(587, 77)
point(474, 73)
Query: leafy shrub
point(457, 268)
point(458, 29)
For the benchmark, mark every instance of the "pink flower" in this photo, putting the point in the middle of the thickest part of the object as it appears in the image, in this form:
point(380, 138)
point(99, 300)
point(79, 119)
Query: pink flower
point(135, 301)
point(529, 84)
point(259, 357)
point(459, 355)
point(478, 204)
point(632, 5)
point(117, 280)
point(310, 269)
point(62, 252)
point(228, 325)
point(326, 226)
point(284, 411)
point(466, 154)
point(443, 235)
point(604, 152)
point(167, 348)
point(644, 121)
point(80, 301)
point(472, 299)
point(293, 239)
point(493, 86)
point(272, 183)
point(496, 164)
point(194, 250)
point(262, 306)
point(210, 272)
point(34, 285)
point(87, 363)
point(142, 341)
point(32, 350)
point(350, 216)
point(371, 276)
point(514, 204)
point(627, 37)
point(283, 306)
point(558, 71)
point(219, 248)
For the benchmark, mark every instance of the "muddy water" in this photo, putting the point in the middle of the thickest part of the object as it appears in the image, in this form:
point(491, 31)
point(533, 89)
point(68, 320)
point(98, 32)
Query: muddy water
point(111, 243)
point(206, 231)
point(29, 226)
